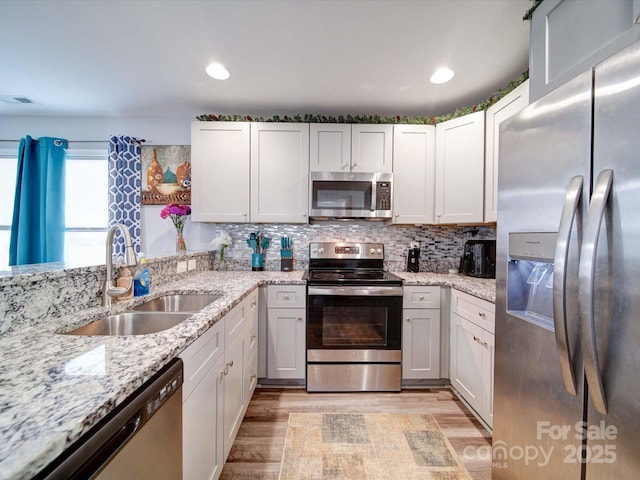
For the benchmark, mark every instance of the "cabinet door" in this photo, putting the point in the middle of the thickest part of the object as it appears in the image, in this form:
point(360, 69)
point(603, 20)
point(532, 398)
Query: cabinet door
point(330, 147)
point(279, 172)
point(371, 148)
point(220, 171)
point(413, 173)
point(234, 396)
point(466, 360)
point(488, 353)
point(507, 106)
point(460, 169)
point(286, 343)
point(421, 343)
point(569, 37)
point(202, 444)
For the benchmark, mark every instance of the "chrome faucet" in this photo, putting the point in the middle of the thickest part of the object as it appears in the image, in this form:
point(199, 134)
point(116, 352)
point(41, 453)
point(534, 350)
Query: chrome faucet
point(130, 260)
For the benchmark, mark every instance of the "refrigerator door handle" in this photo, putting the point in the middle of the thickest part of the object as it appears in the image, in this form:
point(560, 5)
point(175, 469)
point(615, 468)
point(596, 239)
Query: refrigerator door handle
point(569, 212)
point(586, 274)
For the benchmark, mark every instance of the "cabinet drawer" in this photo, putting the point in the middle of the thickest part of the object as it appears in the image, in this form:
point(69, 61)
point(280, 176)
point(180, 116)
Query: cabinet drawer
point(421, 297)
point(474, 309)
point(200, 356)
point(235, 322)
point(287, 296)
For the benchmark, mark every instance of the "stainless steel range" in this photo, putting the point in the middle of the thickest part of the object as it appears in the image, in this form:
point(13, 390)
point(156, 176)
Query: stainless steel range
point(354, 324)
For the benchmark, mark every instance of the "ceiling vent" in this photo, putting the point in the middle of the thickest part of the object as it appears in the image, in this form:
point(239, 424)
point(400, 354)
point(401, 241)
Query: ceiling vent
point(14, 99)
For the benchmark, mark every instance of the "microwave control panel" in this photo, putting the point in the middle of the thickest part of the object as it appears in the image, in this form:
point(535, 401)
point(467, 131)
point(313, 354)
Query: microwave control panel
point(383, 196)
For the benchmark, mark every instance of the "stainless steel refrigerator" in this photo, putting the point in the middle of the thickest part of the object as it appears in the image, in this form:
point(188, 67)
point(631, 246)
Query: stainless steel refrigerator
point(567, 358)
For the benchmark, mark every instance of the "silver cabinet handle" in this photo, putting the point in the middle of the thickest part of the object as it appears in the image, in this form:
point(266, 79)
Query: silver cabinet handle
point(570, 211)
point(586, 275)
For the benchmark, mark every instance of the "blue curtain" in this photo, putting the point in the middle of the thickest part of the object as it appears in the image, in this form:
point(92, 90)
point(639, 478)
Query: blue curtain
point(125, 185)
point(37, 229)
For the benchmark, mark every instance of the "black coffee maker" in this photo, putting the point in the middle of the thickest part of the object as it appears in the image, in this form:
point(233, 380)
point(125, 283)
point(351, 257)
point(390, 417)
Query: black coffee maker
point(479, 259)
point(413, 260)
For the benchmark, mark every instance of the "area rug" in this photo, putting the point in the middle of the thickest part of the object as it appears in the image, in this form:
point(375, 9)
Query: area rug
point(367, 446)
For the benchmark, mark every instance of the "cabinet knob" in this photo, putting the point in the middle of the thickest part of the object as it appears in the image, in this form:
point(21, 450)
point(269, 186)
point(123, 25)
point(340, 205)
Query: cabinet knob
point(354, 165)
point(476, 339)
point(408, 319)
point(481, 314)
point(244, 214)
point(421, 297)
point(299, 319)
point(253, 377)
point(438, 215)
point(397, 215)
point(286, 297)
point(304, 214)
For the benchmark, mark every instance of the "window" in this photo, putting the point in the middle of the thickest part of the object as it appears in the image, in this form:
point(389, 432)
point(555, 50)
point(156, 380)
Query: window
point(86, 205)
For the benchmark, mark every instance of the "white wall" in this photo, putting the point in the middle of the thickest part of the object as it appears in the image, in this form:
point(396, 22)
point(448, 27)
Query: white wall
point(158, 235)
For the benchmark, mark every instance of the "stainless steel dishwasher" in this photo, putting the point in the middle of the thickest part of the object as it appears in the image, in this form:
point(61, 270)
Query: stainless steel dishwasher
point(141, 439)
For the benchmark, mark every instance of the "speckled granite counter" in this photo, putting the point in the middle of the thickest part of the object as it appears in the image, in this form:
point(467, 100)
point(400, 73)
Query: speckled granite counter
point(484, 288)
point(53, 387)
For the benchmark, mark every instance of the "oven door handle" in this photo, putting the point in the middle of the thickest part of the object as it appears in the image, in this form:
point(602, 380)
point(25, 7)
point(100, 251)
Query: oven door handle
point(356, 291)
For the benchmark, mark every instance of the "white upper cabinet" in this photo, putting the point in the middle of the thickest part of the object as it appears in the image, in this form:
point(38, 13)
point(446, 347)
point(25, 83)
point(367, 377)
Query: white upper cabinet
point(330, 147)
point(413, 173)
point(372, 148)
point(507, 106)
point(460, 170)
point(568, 37)
point(220, 169)
point(342, 147)
point(279, 172)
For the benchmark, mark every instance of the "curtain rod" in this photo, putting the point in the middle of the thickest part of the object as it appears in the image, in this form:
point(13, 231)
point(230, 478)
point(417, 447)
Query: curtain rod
point(139, 140)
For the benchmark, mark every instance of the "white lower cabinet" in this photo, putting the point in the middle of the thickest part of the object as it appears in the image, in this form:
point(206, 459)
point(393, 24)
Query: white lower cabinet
point(286, 324)
point(421, 333)
point(472, 352)
point(202, 439)
point(220, 374)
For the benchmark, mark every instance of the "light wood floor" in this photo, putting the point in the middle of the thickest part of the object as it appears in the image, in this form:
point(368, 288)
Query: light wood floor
point(257, 451)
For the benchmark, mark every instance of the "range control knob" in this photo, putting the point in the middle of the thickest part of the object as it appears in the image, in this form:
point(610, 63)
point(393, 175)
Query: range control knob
point(321, 251)
point(372, 251)
point(379, 251)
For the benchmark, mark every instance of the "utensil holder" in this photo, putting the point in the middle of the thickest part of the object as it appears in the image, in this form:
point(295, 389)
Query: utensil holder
point(286, 264)
point(257, 262)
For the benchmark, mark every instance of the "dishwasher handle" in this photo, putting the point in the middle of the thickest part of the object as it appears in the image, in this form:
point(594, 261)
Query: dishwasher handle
point(106, 452)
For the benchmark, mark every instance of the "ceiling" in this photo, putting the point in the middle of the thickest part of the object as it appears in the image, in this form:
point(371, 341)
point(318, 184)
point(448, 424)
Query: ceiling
point(147, 58)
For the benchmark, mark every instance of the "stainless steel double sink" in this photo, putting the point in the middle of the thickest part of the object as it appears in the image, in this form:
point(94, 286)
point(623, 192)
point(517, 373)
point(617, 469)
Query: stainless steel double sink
point(153, 316)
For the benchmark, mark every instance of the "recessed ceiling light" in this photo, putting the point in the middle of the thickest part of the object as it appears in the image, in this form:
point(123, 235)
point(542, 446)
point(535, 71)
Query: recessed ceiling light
point(442, 75)
point(217, 71)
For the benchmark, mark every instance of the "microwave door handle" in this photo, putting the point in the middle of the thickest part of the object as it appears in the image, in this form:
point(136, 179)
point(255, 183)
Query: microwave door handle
point(586, 274)
point(570, 211)
point(374, 195)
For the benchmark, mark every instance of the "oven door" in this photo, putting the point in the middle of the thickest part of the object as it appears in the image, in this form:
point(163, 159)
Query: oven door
point(353, 318)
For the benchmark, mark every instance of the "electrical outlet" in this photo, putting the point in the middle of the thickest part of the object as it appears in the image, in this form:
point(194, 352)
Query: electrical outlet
point(182, 267)
point(192, 264)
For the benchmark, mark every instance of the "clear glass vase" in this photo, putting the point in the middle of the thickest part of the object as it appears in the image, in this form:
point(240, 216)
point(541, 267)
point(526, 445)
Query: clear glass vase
point(181, 246)
point(222, 264)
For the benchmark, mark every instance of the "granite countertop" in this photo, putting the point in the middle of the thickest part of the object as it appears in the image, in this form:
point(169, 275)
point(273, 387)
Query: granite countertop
point(484, 288)
point(54, 388)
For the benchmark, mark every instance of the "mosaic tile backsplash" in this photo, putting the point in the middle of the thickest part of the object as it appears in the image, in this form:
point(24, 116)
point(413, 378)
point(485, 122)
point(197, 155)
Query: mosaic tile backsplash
point(441, 246)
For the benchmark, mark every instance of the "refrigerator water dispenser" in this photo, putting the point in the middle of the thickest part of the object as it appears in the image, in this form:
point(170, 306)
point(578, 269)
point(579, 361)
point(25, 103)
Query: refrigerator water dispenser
point(530, 277)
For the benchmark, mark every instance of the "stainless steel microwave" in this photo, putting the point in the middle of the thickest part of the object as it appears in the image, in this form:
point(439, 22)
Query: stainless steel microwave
point(354, 195)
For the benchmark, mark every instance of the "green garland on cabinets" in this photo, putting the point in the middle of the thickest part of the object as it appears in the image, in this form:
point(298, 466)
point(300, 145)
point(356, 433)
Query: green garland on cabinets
point(418, 120)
